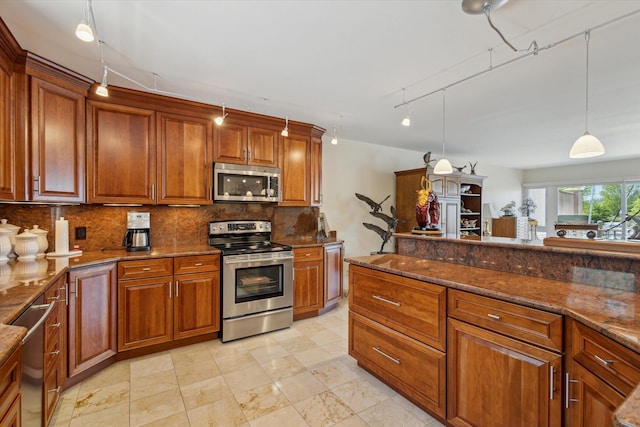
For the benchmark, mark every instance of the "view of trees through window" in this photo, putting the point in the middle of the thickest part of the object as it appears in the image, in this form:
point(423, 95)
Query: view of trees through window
point(609, 203)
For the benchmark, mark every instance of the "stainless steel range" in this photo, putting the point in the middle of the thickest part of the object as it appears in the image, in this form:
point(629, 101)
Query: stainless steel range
point(257, 278)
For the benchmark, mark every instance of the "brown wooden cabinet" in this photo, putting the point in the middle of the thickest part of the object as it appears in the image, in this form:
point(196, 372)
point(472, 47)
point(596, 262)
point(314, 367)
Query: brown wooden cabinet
point(55, 346)
point(92, 318)
point(10, 382)
point(497, 374)
point(333, 257)
point(245, 145)
point(471, 207)
point(397, 332)
point(308, 273)
point(295, 161)
point(155, 306)
point(504, 227)
point(184, 159)
point(8, 160)
point(600, 375)
point(57, 142)
point(316, 171)
point(121, 154)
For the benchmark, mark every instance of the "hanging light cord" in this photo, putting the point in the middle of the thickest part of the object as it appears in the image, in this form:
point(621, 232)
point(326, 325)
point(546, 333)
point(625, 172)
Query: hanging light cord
point(587, 36)
point(443, 121)
point(487, 12)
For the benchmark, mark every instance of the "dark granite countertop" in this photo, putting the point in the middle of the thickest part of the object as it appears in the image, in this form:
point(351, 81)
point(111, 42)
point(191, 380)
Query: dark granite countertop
point(612, 311)
point(307, 242)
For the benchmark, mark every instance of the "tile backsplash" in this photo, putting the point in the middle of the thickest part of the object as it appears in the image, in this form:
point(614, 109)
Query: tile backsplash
point(106, 225)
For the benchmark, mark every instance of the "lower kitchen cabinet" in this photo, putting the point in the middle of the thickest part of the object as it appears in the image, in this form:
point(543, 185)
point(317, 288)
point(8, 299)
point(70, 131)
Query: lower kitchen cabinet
point(600, 375)
point(332, 273)
point(308, 279)
point(497, 380)
point(92, 317)
point(156, 305)
point(10, 381)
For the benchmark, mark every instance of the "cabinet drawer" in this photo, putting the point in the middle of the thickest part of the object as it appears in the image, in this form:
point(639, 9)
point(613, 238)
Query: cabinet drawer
point(513, 320)
point(52, 328)
point(52, 390)
point(404, 363)
point(10, 379)
point(412, 307)
point(308, 254)
point(196, 264)
point(145, 268)
point(608, 360)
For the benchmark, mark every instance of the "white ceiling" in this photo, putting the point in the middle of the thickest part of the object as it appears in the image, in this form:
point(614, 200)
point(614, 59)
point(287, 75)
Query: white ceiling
point(317, 60)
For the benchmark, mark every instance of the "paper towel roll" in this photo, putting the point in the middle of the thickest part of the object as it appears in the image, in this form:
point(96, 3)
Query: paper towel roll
point(62, 236)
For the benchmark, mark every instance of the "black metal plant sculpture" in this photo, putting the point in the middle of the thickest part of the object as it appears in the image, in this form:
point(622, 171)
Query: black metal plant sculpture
point(376, 211)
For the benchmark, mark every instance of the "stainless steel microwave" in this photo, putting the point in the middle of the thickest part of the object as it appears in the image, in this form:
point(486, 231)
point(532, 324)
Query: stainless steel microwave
point(244, 183)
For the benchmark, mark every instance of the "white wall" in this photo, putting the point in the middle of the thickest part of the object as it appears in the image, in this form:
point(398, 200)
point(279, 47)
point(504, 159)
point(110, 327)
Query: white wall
point(356, 167)
point(584, 173)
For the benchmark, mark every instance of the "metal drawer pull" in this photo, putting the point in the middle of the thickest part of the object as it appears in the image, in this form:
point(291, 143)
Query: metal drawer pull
point(55, 353)
point(56, 298)
point(146, 268)
point(55, 390)
point(605, 362)
point(393, 359)
point(494, 316)
point(552, 372)
point(567, 399)
point(379, 298)
point(198, 264)
point(55, 325)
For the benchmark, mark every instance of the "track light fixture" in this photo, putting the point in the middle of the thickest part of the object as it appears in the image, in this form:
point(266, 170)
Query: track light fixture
point(587, 145)
point(220, 119)
point(334, 140)
point(102, 89)
point(407, 119)
point(83, 30)
point(443, 167)
point(285, 131)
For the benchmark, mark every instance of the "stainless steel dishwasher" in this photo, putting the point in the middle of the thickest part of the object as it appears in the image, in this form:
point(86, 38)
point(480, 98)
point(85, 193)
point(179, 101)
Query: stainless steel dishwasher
point(33, 360)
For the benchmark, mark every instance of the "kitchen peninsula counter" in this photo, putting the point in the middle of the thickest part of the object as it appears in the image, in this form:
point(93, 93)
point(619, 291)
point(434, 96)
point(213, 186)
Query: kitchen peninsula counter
point(608, 307)
point(21, 282)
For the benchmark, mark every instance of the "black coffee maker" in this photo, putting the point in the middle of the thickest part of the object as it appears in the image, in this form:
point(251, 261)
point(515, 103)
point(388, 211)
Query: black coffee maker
point(137, 237)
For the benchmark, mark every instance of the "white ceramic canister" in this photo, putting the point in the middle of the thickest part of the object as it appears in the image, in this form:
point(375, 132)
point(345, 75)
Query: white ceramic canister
point(12, 237)
point(26, 246)
point(43, 243)
point(5, 244)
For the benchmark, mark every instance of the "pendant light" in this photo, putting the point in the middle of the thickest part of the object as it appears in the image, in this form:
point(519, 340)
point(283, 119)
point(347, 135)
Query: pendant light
point(83, 30)
point(334, 140)
point(102, 89)
point(587, 145)
point(285, 131)
point(407, 119)
point(443, 167)
point(220, 119)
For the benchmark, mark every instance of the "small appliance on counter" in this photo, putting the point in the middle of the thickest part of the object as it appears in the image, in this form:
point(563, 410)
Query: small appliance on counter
point(137, 237)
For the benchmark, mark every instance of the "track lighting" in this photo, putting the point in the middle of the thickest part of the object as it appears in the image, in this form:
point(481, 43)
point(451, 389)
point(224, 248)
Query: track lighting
point(220, 119)
point(102, 89)
point(334, 140)
point(443, 167)
point(285, 131)
point(83, 30)
point(587, 145)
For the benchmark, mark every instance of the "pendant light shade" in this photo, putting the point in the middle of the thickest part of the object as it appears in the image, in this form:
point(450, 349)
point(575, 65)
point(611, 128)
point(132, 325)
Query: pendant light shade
point(102, 89)
point(334, 140)
point(220, 119)
point(83, 30)
point(285, 131)
point(587, 145)
point(443, 166)
point(407, 119)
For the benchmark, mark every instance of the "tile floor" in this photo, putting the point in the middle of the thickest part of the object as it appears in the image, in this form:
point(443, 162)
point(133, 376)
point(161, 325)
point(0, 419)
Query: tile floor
point(301, 376)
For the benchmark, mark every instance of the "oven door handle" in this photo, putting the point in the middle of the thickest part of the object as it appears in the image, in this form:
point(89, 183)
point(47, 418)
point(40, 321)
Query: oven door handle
point(246, 260)
point(261, 314)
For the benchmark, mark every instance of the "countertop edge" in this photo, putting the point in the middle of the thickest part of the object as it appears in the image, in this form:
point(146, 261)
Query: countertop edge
point(11, 337)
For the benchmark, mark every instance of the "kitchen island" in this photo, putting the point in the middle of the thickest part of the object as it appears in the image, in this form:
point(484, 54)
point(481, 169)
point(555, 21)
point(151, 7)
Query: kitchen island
point(597, 290)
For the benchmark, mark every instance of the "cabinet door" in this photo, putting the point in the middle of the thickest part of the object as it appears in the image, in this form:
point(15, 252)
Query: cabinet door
point(230, 143)
point(145, 312)
point(92, 316)
point(7, 139)
point(316, 171)
point(13, 416)
point(407, 185)
point(592, 401)
point(294, 165)
point(57, 142)
point(307, 286)
point(121, 154)
point(450, 217)
point(263, 147)
point(196, 304)
point(332, 274)
point(184, 169)
point(10, 382)
point(495, 380)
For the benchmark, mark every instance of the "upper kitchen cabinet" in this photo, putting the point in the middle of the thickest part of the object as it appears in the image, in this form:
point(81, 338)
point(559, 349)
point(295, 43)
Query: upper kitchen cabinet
point(51, 122)
point(316, 171)
point(245, 145)
point(121, 154)
point(7, 112)
point(301, 167)
point(184, 159)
